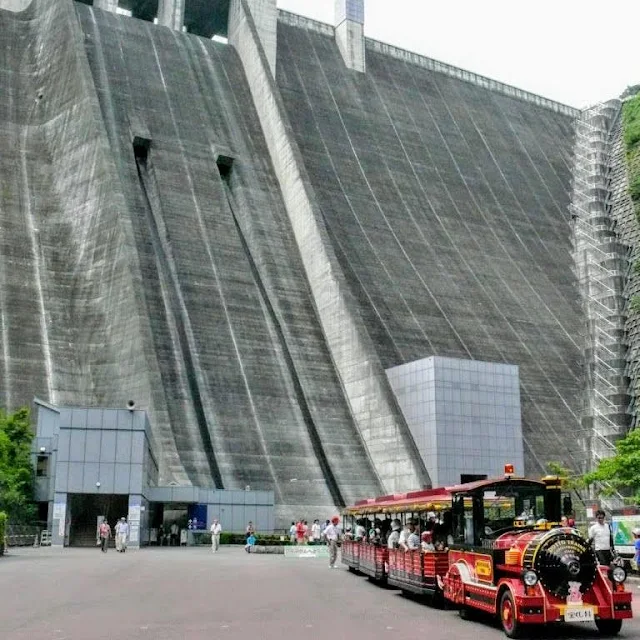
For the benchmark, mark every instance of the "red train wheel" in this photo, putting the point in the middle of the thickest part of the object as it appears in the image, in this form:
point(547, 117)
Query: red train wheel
point(508, 616)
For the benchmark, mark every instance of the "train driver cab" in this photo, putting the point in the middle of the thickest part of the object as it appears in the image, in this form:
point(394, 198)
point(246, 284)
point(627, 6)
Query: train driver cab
point(484, 510)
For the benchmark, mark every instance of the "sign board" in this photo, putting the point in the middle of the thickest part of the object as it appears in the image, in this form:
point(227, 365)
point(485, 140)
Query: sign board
point(622, 527)
point(59, 510)
point(134, 532)
point(197, 514)
point(303, 551)
point(134, 512)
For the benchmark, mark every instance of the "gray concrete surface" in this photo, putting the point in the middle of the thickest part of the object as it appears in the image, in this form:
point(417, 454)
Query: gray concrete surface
point(191, 594)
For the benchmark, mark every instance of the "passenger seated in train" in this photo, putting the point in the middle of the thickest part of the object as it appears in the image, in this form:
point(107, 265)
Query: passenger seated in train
point(440, 546)
point(432, 522)
point(394, 537)
point(348, 534)
point(374, 536)
point(412, 541)
point(361, 532)
point(426, 543)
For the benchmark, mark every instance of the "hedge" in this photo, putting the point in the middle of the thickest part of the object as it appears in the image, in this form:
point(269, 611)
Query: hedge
point(271, 540)
point(3, 530)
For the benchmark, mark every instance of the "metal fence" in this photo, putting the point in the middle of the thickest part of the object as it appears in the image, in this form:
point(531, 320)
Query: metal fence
point(24, 535)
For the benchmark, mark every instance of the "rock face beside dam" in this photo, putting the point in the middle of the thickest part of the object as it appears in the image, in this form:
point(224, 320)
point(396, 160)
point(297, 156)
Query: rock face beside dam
point(243, 255)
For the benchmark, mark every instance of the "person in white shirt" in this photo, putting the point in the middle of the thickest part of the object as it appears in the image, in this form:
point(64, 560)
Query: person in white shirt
point(292, 533)
point(175, 531)
point(394, 537)
point(601, 538)
point(331, 534)
point(427, 541)
point(412, 541)
point(122, 531)
point(216, 529)
point(404, 534)
point(315, 532)
point(361, 532)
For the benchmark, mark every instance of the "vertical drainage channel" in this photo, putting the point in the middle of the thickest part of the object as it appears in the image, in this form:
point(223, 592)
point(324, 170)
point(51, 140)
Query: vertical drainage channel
point(225, 164)
point(146, 175)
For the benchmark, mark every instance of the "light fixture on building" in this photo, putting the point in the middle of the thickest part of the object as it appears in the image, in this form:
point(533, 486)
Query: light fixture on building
point(131, 405)
point(43, 449)
point(98, 484)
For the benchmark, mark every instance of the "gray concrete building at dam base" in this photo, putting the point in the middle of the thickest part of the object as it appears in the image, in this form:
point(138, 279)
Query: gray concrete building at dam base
point(246, 238)
point(94, 463)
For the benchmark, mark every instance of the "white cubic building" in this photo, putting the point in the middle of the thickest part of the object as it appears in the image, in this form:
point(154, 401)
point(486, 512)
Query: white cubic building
point(464, 415)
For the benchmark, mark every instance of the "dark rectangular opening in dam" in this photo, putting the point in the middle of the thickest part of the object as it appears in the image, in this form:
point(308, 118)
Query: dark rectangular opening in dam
point(206, 18)
point(141, 9)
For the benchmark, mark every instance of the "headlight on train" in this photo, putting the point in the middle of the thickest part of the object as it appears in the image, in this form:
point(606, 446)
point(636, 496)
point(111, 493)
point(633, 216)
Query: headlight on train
point(530, 578)
point(618, 574)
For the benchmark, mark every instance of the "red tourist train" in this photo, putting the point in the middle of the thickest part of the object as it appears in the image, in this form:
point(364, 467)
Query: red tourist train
point(499, 547)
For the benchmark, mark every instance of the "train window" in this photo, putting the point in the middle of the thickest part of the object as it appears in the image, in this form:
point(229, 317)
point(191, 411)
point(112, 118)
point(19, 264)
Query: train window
point(509, 504)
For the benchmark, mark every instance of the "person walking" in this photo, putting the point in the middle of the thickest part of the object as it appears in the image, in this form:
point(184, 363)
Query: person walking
point(601, 537)
point(216, 530)
point(331, 534)
point(292, 533)
point(104, 533)
point(122, 533)
point(635, 563)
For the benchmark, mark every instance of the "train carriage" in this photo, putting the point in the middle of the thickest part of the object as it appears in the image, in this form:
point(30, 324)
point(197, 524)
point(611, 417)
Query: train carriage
point(375, 560)
point(507, 555)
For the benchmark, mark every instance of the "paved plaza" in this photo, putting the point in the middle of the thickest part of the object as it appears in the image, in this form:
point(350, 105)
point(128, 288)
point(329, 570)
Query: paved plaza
point(191, 594)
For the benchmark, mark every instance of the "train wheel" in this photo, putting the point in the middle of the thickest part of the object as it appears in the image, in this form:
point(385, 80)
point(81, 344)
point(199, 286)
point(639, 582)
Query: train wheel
point(609, 627)
point(508, 618)
point(466, 613)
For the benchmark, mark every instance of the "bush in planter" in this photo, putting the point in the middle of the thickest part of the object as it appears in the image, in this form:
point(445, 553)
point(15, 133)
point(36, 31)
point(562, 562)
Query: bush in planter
point(261, 539)
point(3, 530)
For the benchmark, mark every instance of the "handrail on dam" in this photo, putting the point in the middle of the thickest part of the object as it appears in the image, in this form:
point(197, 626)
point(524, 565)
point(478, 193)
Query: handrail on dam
point(419, 60)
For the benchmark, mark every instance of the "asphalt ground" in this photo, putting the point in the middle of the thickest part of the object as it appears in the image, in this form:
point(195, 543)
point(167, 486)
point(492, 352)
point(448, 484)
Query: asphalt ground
point(192, 594)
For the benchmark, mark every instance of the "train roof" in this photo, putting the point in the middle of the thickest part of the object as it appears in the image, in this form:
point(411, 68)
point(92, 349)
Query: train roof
point(429, 499)
point(470, 487)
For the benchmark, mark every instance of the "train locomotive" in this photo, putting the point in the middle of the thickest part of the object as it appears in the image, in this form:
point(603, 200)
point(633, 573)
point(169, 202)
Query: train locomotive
point(503, 551)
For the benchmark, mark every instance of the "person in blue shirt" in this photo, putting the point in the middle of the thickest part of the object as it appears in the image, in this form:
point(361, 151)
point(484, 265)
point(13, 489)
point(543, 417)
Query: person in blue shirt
point(636, 557)
point(251, 540)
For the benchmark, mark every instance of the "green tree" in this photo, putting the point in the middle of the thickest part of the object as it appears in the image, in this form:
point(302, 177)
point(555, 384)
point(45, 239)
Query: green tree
point(16, 472)
point(621, 472)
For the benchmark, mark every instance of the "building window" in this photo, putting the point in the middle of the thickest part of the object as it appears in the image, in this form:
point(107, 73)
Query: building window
point(42, 466)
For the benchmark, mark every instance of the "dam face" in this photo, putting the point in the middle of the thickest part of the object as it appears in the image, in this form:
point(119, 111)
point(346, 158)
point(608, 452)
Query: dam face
point(242, 238)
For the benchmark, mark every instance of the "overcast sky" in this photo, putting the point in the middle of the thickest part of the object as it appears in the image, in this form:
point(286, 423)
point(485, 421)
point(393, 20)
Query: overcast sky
point(576, 52)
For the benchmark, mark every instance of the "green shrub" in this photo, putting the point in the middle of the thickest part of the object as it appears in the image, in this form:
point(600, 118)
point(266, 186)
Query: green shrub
point(631, 122)
point(3, 530)
point(261, 539)
point(634, 188)
point(634, 304)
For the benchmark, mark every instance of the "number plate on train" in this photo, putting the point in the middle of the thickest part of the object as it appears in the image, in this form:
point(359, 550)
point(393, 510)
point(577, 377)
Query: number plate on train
point(578, 614)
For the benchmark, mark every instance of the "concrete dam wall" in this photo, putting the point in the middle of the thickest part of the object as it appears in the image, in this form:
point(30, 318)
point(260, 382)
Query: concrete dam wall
point(447, 204)
point(243, 254)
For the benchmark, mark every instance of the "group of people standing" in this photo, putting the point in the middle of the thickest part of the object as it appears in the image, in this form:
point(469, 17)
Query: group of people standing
point(121, 531)
point(301, 533)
